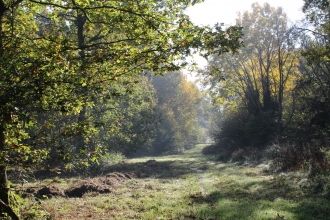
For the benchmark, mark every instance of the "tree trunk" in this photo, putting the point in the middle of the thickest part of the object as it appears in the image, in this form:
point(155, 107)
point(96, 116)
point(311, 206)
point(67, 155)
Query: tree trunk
point(3, 167)
point(280, 98)
point(3, 188)
point(4, 191)
point(81, 21)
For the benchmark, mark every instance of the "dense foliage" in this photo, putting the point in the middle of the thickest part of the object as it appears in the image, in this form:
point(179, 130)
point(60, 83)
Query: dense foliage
point(177, 103)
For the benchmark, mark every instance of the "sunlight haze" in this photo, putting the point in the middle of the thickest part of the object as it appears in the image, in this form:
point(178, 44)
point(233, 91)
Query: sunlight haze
point(212, 11)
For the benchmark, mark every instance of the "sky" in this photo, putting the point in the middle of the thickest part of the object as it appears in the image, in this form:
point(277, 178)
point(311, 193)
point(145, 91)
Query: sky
point(225, 11)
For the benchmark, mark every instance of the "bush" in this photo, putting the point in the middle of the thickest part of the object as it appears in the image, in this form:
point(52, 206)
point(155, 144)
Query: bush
point(320, 184)
point(283, 157)
point(240, 135)
point(310, 157)
point(238, 155)
point(228, 134)
point(210, 150)
point(260, 130)
point(252, 155)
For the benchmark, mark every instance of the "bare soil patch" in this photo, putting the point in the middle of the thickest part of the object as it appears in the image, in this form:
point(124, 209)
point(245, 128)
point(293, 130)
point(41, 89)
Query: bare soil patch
point(103, 184)
point(50, 191)
point(152, 167)
point(100, 185)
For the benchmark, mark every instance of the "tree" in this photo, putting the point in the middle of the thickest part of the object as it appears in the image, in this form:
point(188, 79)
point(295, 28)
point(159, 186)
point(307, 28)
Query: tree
point(177, 104)
point(316, 81)
point(311, 91)
point(123, 121)
point(254, 84)
point(57, 55)
point(307, 133)
point(312, 88)
point(131, 117)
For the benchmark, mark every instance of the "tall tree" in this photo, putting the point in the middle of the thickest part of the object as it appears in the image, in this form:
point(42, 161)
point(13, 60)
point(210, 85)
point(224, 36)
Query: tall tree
point(265, 69)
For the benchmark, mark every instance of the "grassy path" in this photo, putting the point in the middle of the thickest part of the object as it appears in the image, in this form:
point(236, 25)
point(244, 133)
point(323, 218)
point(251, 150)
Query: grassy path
point(192, 186)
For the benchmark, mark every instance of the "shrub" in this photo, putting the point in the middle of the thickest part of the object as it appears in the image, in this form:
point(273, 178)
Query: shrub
point(240, 135)
point(238, 155)
point(211, 149)
point(283, 157)
point(260, 130)
point(308, 156)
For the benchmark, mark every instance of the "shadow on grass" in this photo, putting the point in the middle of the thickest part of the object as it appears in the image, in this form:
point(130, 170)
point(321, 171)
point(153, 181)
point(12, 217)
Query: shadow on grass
point(153, 168)
point(171, 166)
point(150, 168)
point(271, 200)
point(165, 166)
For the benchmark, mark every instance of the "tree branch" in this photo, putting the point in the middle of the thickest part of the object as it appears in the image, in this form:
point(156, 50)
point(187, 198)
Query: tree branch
point(314, 32)
point(8, 210)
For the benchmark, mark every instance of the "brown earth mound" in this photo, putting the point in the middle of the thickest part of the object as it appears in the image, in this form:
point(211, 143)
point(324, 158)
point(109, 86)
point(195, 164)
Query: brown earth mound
point(87, 186)
point(104, 184)
point(29, 192)
point(121, 175)
point(49, 191)
point(152, 167)
point(99, 185)
point(150, 162)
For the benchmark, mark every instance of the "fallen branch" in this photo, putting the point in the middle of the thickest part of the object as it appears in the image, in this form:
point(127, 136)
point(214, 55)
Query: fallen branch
point(8, 210)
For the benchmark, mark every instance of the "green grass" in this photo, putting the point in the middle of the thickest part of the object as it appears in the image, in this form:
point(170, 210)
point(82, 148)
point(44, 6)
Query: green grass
point(192, 186)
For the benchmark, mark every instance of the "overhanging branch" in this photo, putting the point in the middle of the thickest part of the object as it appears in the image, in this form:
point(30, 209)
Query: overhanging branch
point(8, 210)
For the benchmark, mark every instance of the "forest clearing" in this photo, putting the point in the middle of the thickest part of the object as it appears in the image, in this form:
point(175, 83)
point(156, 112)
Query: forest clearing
point(187, 186)
point(99, 117)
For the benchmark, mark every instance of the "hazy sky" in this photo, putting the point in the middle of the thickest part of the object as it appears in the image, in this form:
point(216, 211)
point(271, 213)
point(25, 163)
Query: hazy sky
point(213, 11)
point(225, 11)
